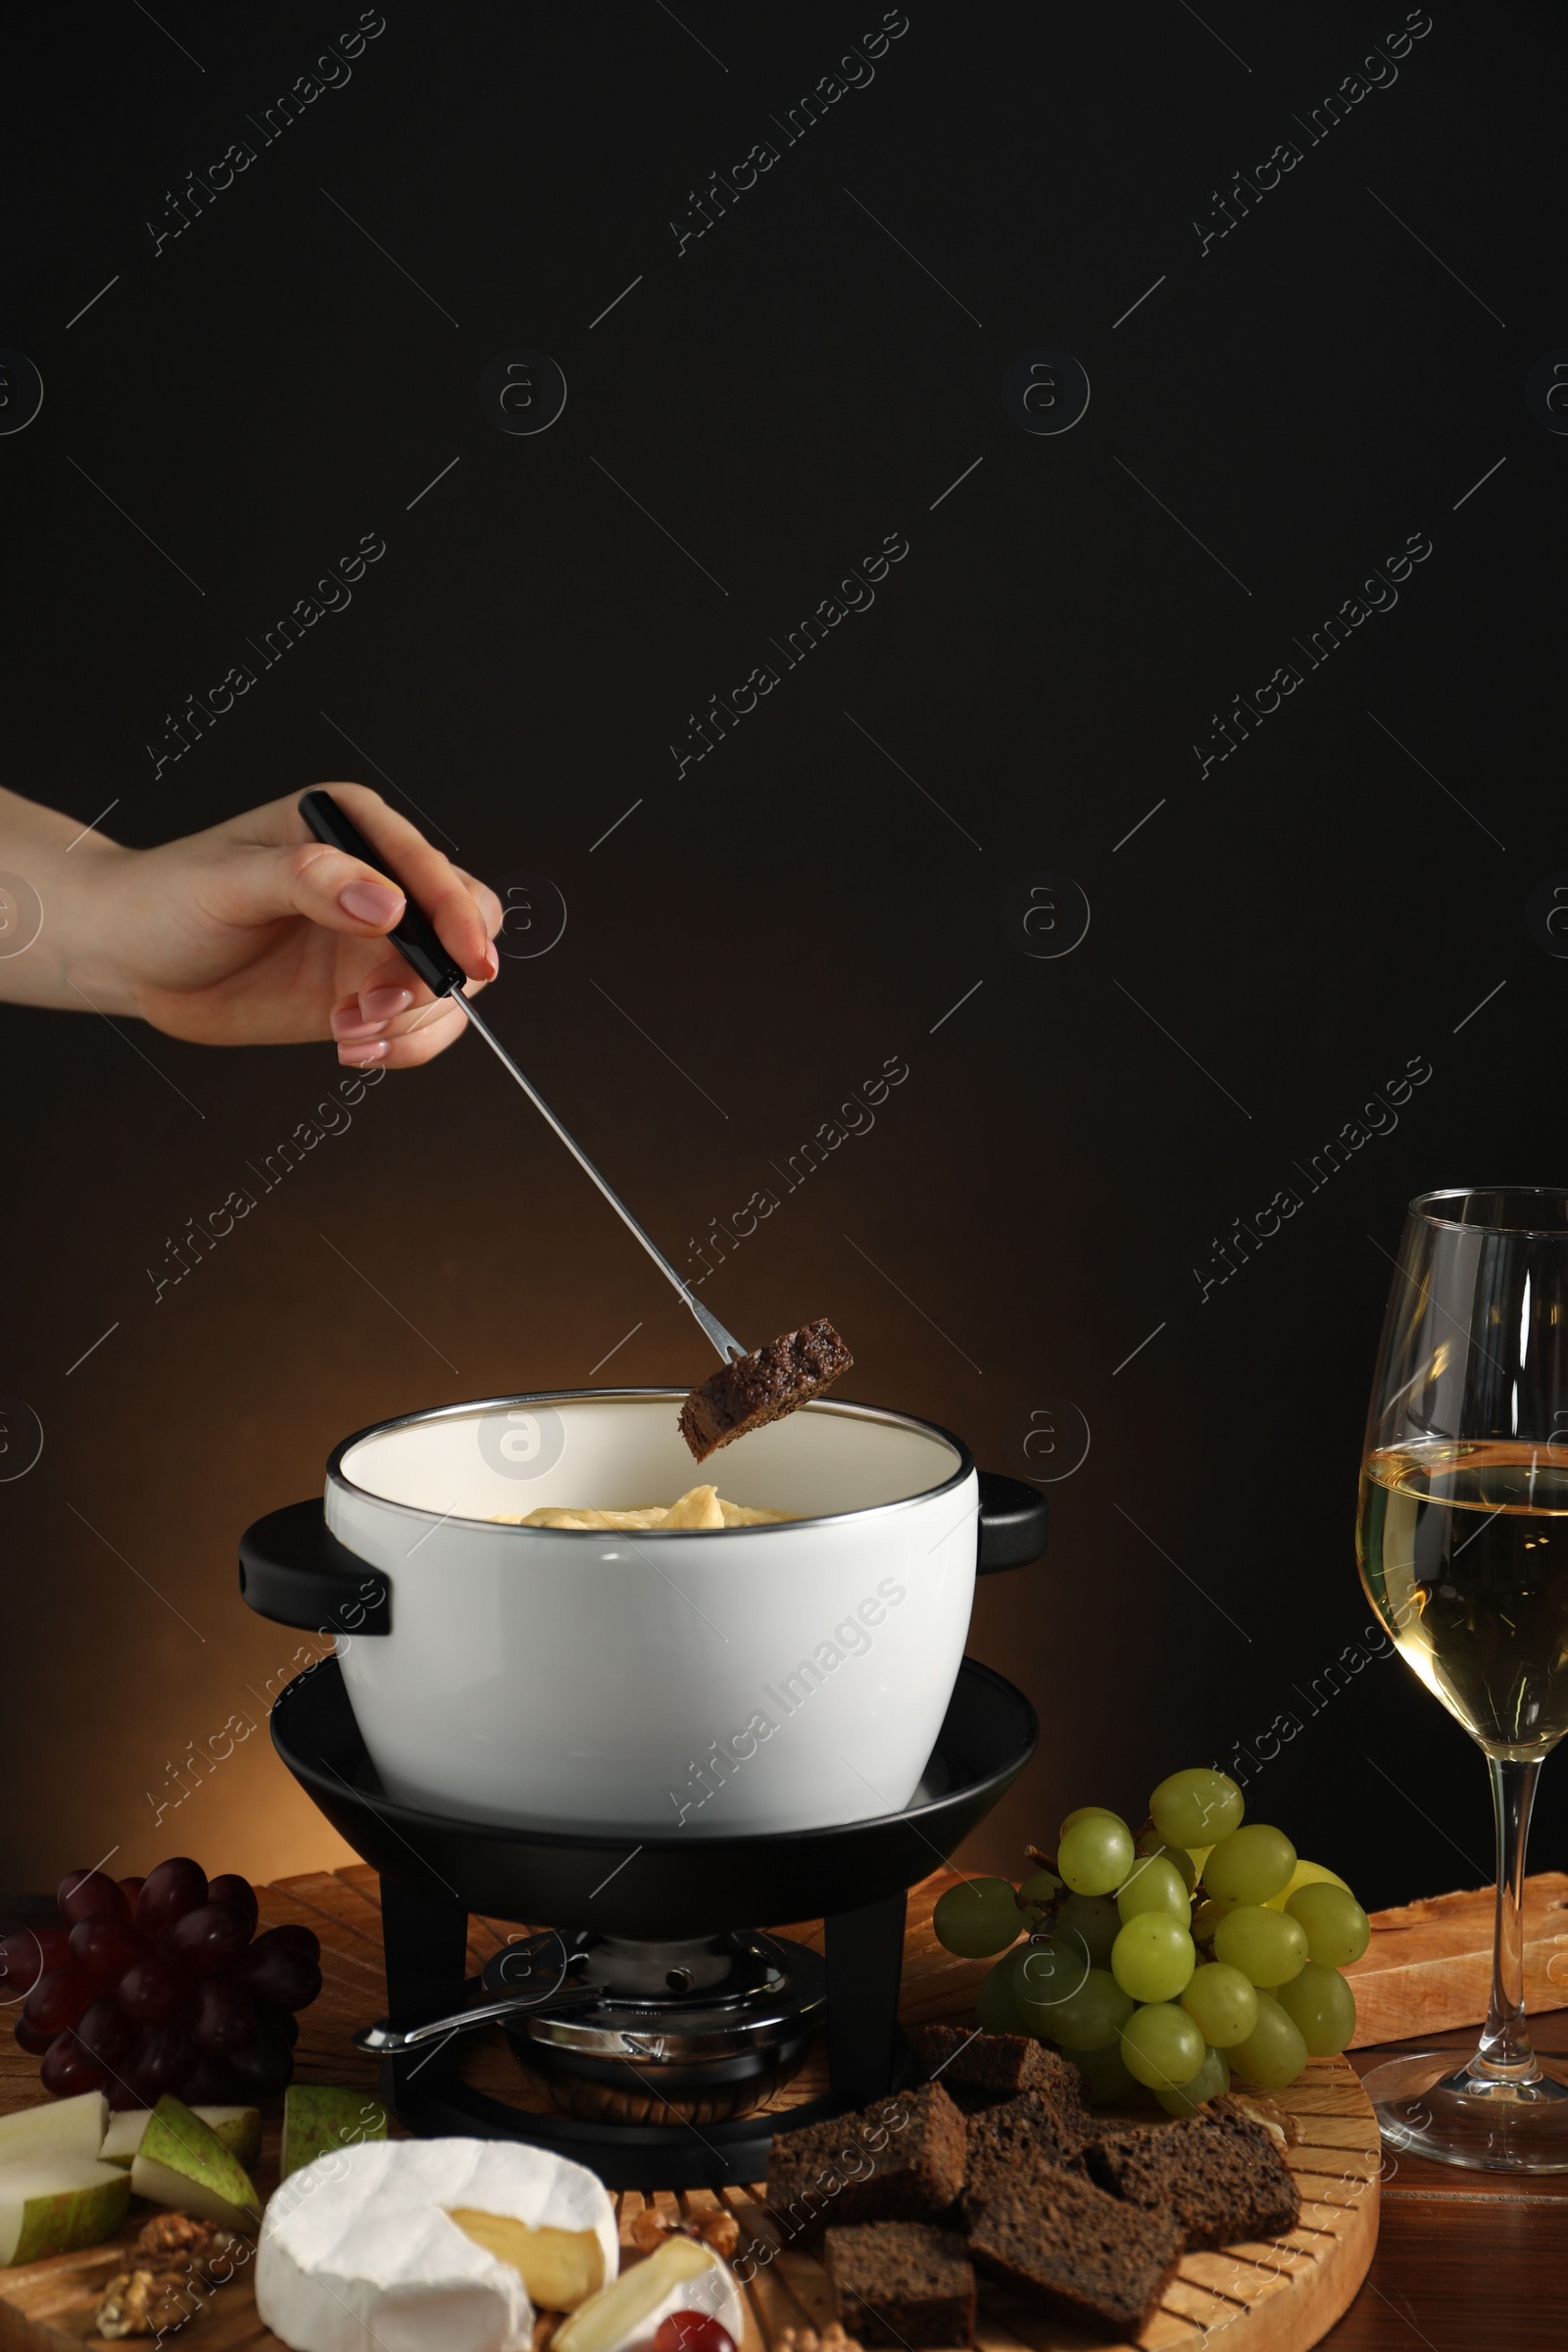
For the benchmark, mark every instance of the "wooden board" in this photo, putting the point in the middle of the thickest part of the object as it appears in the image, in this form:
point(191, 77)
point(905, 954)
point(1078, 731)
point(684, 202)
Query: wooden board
point(1428, 1968)
point(1278, 2297)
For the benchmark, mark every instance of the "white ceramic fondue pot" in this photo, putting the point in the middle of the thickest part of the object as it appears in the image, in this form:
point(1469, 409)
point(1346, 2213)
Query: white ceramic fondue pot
point(737, 1679)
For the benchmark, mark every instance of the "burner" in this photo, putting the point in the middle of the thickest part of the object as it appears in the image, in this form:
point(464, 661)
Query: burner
point(660, 2033)
point(634, 2032)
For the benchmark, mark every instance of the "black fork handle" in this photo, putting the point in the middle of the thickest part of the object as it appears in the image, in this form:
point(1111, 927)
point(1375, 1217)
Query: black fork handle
point(415, 938)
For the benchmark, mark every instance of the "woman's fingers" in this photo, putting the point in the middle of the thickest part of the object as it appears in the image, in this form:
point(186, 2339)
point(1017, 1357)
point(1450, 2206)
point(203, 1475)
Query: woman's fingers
point(290, 872)
point(491, 912)
point(390, 988)
point(400, 1042)
point(465, 913)
point(391, 1021)
point(388, 978)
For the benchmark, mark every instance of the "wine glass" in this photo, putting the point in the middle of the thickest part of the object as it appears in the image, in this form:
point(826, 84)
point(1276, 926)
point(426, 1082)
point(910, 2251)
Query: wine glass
point(1462, 1539)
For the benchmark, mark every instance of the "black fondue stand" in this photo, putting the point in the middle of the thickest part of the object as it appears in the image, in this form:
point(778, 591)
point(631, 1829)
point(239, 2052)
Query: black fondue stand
point(435, 1870)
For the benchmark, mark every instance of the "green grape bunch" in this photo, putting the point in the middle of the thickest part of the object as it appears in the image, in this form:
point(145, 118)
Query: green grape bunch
point(1166, 1961)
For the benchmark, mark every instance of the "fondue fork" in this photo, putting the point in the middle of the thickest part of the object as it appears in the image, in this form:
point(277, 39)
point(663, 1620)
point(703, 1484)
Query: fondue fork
point(386, 2040)
point(418, 943)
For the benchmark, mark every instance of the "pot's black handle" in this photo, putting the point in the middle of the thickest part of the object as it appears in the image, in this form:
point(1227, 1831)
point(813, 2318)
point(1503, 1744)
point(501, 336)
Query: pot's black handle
point(294, 1570)
point(1014, 1519)
point(414, 939)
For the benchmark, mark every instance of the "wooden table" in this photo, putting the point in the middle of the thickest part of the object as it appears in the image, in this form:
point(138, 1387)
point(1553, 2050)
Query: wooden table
point(1465, 2262)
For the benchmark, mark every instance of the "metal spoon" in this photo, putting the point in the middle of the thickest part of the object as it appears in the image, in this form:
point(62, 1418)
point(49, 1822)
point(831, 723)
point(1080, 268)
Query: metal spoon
point(417, 941)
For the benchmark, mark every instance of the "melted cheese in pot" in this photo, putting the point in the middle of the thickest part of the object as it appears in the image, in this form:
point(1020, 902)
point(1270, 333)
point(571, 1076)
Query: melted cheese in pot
point(697, 1507)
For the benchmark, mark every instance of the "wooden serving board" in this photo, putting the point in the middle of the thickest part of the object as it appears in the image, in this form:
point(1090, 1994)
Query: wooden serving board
point(1278, 2297)
point(1428, 1968)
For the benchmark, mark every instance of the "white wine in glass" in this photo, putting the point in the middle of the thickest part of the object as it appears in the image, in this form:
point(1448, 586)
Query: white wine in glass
point(1462, 1537)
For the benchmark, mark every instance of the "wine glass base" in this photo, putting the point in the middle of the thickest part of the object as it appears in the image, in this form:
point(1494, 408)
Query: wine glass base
point(1426, 2108)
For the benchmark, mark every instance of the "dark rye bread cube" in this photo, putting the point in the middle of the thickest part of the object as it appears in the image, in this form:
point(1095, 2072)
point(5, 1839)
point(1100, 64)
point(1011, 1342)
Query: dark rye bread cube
point(900, 2159)
point(762, 1386)
point(980, 2070)
point(1014, 2141)
point(1221, 2175)
point(901, 2282)
point(1065, 2245)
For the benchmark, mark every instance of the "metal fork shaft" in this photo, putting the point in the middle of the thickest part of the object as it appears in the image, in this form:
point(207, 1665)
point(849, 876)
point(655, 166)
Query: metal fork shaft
point(713, 1330)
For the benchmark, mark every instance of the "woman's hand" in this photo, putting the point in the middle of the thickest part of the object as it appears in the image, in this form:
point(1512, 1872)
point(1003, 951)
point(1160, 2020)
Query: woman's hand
point(253, 933)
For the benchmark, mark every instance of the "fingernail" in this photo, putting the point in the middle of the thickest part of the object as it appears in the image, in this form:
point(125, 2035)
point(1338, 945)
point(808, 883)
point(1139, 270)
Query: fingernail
point(492, 961)
point(372, 903)
point(348, 1024)
point(360, 1058)
point(383, 1003)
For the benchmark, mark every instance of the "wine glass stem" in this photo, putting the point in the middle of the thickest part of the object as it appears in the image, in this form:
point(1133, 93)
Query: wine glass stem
point(1505, 2052)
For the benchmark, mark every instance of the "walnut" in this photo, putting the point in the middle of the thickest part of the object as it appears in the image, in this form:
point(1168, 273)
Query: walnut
point(170, 2283)
point(544, 2328)
point(715, 2228)
point(807, 2340)
point(172, 2233)
point(650, 2229)
point(719, 2230)
point(144, 2302)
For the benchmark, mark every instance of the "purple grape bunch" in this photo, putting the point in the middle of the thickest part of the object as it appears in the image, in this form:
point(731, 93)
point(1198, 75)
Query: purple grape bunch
point(161, 1984)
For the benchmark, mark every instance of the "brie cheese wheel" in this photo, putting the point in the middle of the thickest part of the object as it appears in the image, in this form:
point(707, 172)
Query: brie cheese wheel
point(357, 2252)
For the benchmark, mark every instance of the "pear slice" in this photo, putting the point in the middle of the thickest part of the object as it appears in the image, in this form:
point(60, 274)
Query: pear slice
point(560, 2268)
point(182, 2162)
point(123, 2136)
point(52, 2204)
point(238, 2127)
point(620, 2314)
point(59, 2128)
point(318, 2117)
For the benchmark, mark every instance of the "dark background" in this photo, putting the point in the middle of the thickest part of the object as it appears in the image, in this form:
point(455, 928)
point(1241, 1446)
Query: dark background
point(1278, 940)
